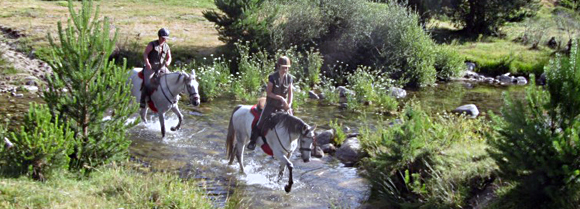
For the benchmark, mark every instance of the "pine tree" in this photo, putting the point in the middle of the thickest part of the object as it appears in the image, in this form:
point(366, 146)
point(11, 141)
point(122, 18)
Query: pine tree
point(86, 86)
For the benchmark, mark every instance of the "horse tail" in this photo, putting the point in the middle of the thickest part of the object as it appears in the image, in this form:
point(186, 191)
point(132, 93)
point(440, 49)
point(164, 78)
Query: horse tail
point(231, 136)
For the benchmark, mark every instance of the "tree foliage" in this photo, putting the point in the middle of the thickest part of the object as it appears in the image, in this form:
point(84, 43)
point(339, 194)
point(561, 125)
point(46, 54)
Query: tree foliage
point(486, 16)
point(41, 145)
point(85, 87)
point(537, 140)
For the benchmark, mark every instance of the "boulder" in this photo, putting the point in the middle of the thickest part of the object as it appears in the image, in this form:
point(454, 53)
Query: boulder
point(313, 95)
point(317, 152)
point(505, 78)
point(328, 148)
point(397, 93)
point(325, 137)
point(469, 109)
point(350, 152)
point(521, 80)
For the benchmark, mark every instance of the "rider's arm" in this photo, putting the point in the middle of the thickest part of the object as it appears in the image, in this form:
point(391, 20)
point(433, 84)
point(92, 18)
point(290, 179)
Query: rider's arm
point(168, 60)
point(145, 55)
point(290, 96)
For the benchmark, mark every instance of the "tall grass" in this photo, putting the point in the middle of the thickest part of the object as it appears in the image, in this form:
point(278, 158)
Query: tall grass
point(436, 161)
point(110, 186)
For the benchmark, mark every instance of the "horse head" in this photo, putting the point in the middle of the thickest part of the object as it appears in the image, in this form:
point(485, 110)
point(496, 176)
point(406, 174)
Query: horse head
point(192, 85)
point(307, 138)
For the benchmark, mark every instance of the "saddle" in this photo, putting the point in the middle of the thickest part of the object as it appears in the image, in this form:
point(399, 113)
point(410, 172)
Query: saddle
point(256, 111)
point(153, 84)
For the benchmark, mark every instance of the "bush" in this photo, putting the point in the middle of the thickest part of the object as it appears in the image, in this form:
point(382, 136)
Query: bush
point(536, 141)
point(448, 63)
point(370, 88)
point(427, 161)
point(40, 146)
point(214, 78)
point(384, 36)
point(85, 86)
point(339, 135)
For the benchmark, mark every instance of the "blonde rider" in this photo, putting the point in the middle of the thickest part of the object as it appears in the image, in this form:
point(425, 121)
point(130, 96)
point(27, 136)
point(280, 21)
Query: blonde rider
point(279, 97)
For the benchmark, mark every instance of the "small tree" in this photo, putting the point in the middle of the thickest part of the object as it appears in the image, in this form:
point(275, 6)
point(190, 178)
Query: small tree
point(40, 146)
point(537, 140)
point(85, 86)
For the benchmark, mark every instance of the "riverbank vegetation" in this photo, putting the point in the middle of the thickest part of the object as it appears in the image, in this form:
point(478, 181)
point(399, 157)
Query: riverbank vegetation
point(65, 152)
point(525, 157)
point(112, 186)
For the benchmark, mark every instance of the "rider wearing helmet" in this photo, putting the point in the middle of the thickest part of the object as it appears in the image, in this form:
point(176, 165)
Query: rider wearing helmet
point(278, 98)
point(157, 58)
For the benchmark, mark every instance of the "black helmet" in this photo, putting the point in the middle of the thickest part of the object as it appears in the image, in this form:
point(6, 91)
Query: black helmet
point(163, 33)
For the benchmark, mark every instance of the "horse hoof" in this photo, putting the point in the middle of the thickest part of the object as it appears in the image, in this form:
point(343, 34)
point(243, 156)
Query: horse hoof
point(287, 188)
point(173, 129)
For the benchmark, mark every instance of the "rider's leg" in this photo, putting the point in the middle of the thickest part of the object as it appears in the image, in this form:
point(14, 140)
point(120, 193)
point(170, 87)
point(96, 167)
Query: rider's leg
point(146, 83)
point(253, 137)
point(256, 132)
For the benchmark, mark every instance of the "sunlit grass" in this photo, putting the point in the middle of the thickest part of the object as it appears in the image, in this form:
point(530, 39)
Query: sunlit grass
point(109, 187)
point(137, 22)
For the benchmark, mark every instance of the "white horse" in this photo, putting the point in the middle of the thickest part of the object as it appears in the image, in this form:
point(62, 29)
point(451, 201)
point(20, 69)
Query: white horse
point(166, 95)
point(281, 138)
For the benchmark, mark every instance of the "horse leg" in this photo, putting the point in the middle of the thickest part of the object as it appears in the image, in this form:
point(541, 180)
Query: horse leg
point(281, 172)
point(239, 149)
point(162, 123)
point(175, 110)
point(143, 113)
point(288, 187)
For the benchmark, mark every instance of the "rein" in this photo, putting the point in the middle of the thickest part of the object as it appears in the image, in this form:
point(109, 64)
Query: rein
point(169, 90)
point(289, 139)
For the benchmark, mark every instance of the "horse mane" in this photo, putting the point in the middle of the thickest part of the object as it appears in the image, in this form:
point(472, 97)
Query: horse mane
point(293, 123)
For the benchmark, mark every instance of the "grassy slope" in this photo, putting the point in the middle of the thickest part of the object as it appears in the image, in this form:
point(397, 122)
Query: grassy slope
point(137, 21)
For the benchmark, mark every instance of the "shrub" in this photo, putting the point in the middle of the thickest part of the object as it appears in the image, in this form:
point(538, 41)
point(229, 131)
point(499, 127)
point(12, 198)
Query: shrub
point(448, 63)
point(384, 36)
point(339, 135)
point(235, 22)
point(214, 78)
point(536, 140)
point(427, 161)
point(40, 146)
point(85, 85)
point(370, 88)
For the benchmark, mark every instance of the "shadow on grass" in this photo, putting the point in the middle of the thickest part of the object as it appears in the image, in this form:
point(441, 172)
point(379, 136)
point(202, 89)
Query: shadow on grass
point(447, 36)
point(180, 55)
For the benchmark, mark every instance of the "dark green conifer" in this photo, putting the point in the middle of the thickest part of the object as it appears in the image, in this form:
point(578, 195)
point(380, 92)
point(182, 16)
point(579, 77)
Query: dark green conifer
point(87, 90)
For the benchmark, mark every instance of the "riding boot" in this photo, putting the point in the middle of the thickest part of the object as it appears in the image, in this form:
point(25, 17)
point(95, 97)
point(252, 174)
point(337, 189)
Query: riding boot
point(143, 102)
point(253, 137)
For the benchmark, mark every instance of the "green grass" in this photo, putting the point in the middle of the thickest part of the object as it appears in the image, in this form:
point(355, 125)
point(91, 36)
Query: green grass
point(433, 161)
point(500, 56)
point(109, 187)
point(510, 53)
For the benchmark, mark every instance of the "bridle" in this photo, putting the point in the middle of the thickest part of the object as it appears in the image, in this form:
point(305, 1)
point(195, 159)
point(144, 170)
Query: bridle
point(301, 136)
point(191, 94)
point(313, 142)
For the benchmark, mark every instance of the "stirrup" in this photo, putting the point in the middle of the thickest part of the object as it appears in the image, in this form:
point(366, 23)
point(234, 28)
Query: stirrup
point(251, 146)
